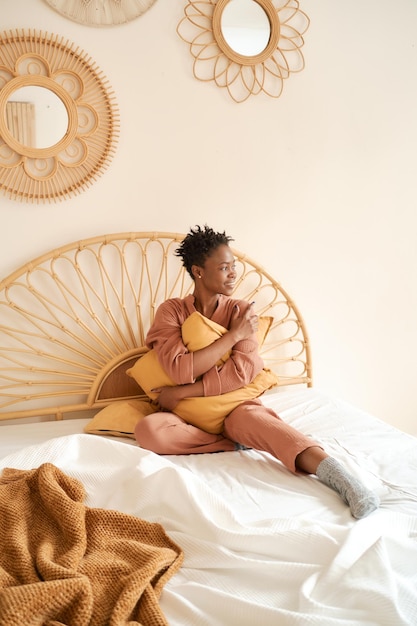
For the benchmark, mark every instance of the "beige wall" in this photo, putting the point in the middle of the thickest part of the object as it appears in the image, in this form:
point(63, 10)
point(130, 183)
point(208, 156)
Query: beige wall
point(319, 186)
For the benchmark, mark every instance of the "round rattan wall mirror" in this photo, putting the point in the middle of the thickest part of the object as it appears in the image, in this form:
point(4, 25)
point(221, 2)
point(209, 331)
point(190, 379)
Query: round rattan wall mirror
point(47, 84)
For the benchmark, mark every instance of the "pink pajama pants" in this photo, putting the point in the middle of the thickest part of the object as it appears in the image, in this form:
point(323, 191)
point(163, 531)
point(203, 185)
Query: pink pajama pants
point(251, 424)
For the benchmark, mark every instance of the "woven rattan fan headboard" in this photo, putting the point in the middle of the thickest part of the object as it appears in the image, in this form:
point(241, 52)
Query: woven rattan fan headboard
point(73, 320)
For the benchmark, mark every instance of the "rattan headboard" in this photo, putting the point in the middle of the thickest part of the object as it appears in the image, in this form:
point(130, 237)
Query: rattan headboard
point(73, 320)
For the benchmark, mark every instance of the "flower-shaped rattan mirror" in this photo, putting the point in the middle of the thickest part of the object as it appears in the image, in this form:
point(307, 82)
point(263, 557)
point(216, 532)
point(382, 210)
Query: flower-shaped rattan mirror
point(247, 46)
point(43, 76)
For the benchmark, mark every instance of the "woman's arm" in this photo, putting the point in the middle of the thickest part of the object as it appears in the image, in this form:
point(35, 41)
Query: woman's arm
point(244, 362)
point(242, 326)
point(184, 367)
point(168, 397)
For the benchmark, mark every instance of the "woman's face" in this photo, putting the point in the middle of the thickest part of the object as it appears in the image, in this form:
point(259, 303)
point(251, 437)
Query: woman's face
point(219, 272)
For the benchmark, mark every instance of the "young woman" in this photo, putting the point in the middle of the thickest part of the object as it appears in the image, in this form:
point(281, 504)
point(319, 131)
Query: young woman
point(207, 257)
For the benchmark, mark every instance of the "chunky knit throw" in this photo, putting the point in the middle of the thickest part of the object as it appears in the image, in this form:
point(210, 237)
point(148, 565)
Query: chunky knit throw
point(63, 563)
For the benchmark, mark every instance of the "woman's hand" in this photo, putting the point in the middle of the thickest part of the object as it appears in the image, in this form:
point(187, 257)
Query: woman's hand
point(243, 326)
point(169, 397)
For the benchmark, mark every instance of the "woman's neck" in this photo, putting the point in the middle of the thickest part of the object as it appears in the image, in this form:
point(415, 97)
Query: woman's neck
point(205, 306)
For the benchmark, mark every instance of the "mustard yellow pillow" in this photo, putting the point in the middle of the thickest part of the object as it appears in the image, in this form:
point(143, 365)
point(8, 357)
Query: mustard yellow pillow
point(206, 412)
point(120, 418)
point(197, 332)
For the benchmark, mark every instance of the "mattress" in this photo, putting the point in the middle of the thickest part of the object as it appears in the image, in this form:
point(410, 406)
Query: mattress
point(261, 545)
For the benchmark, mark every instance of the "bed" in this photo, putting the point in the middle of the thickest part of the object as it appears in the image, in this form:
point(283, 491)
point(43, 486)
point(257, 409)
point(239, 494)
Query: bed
point(249, 542)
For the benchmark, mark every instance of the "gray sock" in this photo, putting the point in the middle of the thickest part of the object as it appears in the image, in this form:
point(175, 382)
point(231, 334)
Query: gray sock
point(360, 499)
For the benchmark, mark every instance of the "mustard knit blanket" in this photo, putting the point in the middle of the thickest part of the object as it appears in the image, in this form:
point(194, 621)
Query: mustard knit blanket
point(63, 563)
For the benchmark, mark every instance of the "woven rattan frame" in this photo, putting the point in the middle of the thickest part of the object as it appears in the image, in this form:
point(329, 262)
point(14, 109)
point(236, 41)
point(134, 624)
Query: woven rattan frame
point(37, 59)
point(244, 76)
point(73, 320)
point(101, 12)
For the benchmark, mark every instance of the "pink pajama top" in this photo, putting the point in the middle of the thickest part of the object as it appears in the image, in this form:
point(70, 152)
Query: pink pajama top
point(165, 337)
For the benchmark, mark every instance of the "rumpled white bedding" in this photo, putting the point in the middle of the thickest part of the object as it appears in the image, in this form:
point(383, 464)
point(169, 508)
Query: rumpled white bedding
point(262, 547)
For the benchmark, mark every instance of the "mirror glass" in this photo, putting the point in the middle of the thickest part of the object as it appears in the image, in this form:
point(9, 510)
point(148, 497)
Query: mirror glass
point(245, 27)
point(36, 117)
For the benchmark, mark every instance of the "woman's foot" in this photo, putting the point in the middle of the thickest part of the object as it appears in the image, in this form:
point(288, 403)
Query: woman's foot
point(360, 499)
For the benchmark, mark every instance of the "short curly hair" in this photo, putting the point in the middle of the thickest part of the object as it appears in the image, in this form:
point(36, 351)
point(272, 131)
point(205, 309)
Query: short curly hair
point(198, 245)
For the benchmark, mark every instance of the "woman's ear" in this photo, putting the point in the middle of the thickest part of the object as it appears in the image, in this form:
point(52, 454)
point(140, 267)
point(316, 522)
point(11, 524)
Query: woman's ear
point(196, 271)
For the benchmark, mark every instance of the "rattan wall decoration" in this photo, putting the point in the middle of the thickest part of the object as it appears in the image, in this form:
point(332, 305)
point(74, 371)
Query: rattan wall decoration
point(101, 12)
point(87, 143)
point(245, 74)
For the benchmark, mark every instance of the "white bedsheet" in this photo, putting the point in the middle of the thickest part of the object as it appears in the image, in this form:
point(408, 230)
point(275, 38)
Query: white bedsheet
point(262, 547)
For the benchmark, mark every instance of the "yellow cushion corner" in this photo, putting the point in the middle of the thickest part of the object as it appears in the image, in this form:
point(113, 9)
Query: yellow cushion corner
point(119, 419)
point(264, 325)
